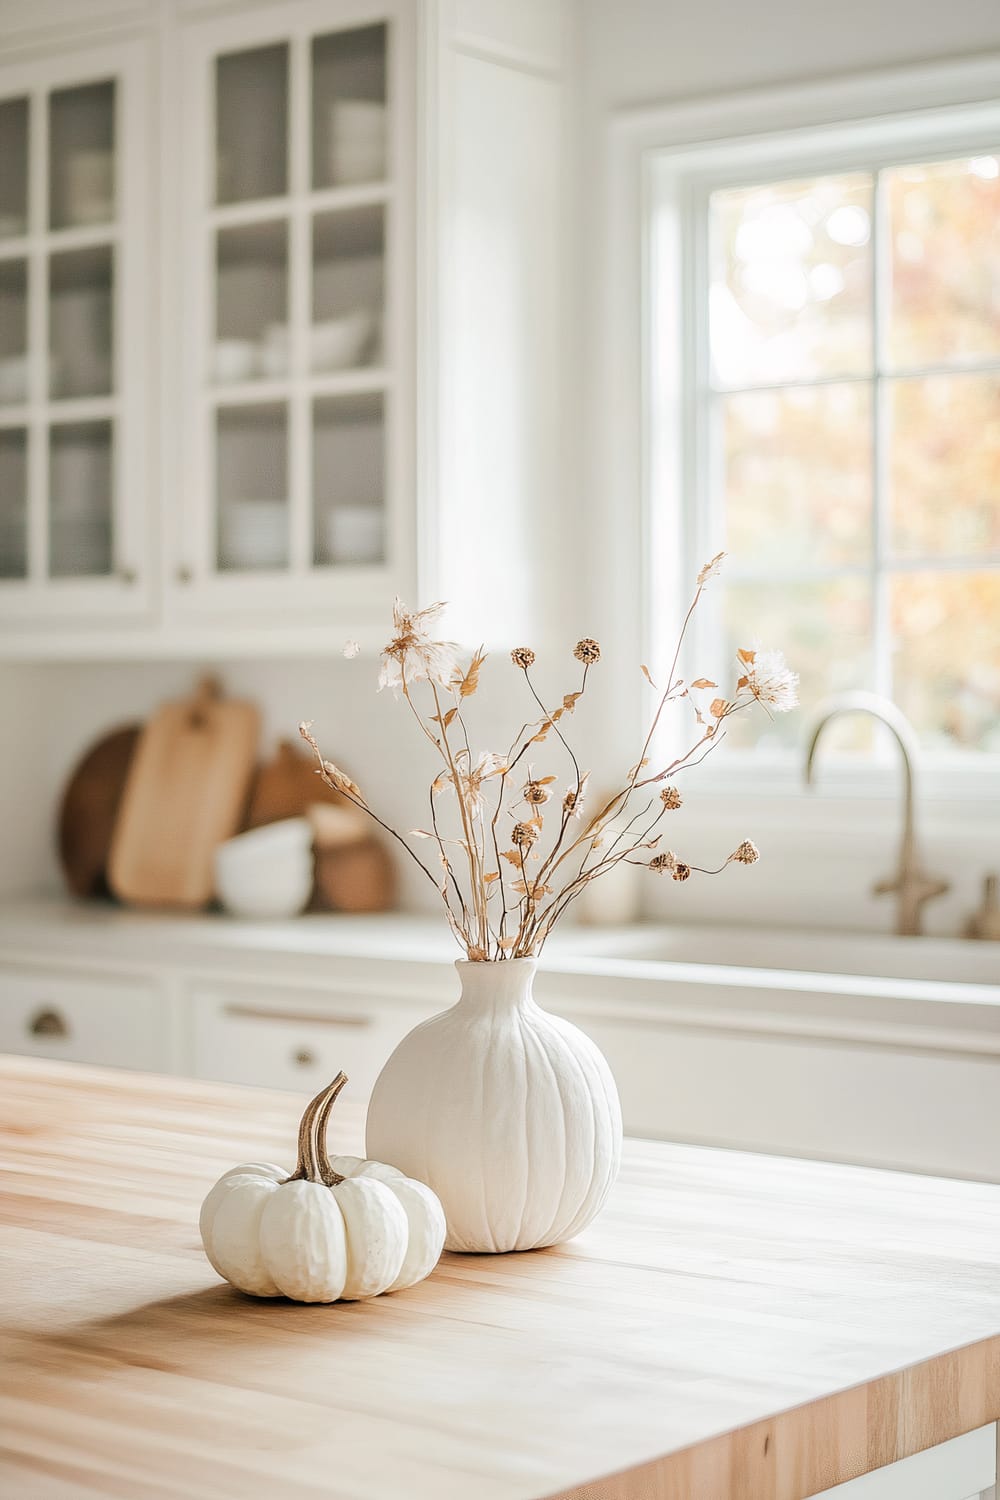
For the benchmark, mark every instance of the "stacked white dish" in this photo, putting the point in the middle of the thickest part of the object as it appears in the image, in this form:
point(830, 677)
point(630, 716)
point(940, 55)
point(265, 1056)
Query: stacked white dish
point(268, 872)
point(254, 534)
point(357, 149)
point(354, 534)
point(341, 343)
point(272, 352)
point(90, 187)
point(233, 360)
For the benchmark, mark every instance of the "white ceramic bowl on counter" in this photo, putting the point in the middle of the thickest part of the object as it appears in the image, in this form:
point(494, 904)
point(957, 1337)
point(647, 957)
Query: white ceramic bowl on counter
point(266, 874)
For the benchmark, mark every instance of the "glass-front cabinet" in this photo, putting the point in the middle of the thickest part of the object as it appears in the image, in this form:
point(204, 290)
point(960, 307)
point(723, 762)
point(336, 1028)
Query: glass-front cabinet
point(296, 310)
point(74, 385)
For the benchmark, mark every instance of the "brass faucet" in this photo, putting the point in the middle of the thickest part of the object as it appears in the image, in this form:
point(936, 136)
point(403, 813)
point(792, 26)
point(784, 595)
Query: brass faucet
point(910, 884)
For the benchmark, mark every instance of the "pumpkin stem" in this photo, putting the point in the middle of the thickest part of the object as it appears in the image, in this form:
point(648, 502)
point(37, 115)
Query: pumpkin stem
point(320, 1120)
point(305, 1164)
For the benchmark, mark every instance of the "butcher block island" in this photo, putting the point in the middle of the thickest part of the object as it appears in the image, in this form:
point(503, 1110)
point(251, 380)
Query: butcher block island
point(730, 1326)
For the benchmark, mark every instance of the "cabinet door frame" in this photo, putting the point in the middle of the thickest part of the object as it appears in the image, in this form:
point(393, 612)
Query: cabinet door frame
point(127, 591)
point(196, 592)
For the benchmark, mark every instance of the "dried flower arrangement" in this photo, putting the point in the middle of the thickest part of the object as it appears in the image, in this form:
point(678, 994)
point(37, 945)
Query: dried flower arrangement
point(505, 887)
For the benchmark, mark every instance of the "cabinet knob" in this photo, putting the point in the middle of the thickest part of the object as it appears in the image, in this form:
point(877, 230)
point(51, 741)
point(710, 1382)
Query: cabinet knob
point(127, 576)
point(184, 575)
point(47, 1023)
point(303, 1058)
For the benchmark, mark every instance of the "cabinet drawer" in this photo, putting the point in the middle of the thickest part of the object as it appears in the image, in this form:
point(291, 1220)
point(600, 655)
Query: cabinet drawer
point(96, 1019)
point(293, 1041)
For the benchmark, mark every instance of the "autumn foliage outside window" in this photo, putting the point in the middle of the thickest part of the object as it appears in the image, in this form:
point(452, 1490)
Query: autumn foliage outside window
point(853, 404)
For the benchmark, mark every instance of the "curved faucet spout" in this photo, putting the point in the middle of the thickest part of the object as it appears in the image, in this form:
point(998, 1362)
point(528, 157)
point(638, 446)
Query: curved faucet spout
point(910, 884)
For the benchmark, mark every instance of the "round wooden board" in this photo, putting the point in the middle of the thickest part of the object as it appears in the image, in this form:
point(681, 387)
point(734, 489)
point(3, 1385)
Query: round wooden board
point(89, 807)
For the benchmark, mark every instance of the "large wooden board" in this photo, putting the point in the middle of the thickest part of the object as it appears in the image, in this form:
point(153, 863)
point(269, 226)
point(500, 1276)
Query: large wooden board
point(186, 792)
point(731, 1328)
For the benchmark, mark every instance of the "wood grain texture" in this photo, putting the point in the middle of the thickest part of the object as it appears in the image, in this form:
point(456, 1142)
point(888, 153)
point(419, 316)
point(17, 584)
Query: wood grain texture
point(731, 1326)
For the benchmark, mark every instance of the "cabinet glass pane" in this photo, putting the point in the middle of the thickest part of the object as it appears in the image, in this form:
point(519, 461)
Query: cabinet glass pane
point(348, 288)
point(13, 502)
point(80, 499)
point(251, 303)
point(349, 480)
point(251, 456)
point(349, 116)
point(251, 124)
point(13, 168)
point(81, 322)
point(13, 332)
point(82, 156)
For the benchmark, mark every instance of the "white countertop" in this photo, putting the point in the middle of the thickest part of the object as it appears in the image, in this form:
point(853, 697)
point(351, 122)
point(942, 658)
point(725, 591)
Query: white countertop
point(586, 969)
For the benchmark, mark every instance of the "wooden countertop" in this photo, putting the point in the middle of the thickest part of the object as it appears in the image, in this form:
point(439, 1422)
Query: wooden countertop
point(731, 1326)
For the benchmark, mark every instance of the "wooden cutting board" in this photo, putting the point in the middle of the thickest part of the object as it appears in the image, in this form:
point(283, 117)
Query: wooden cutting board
point(89, 809)
point(186, 793)
point(286, 786)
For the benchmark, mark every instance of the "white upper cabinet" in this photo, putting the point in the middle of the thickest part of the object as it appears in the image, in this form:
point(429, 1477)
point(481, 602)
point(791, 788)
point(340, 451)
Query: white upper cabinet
point(247, 393)
point(75, 380)
point(296, 308)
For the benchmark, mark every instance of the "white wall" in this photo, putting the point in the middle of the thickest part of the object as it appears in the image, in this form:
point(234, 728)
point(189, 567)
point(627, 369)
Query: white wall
point(647, 51)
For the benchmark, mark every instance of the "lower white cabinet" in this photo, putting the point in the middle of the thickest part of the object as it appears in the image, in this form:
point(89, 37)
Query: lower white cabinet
point(963, 1469)
point(292, 1039)
point(121, 1022)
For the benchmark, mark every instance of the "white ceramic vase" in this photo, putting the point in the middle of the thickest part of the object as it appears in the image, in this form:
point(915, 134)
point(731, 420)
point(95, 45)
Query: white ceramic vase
point(509, 1114)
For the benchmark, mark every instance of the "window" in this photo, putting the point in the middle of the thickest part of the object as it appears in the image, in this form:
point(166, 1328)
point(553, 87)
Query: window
point(838, 315)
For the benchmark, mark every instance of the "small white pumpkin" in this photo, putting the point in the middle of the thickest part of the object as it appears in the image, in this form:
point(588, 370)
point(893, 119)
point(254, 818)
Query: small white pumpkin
point(334, 1229)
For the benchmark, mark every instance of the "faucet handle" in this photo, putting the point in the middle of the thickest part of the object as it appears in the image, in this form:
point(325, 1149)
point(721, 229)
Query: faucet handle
point(913, 888)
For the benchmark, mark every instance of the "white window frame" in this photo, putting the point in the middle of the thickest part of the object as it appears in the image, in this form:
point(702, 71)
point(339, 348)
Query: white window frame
point(663, 164)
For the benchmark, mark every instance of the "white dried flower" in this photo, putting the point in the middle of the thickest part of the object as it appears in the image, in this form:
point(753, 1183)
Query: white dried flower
point(770, 680)
point(711, 569)
point(352, 649)
point(412, 654)
point(573, 800)
point(471, 782)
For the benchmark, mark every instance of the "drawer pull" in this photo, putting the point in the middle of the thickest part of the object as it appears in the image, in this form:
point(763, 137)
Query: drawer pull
point(48, 1023)
point(298, 1017)
point(303, 1058)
